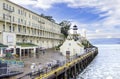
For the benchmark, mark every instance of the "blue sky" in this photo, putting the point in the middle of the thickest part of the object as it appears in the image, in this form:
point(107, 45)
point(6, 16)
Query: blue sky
point(99, 18)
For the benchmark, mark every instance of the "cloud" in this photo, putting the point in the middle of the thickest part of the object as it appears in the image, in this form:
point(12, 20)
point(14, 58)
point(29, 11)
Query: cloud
point(107, 24)
point(25, 2)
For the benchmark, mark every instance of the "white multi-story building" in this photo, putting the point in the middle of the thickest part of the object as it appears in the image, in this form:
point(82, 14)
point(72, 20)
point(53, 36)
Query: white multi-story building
point(19, 26)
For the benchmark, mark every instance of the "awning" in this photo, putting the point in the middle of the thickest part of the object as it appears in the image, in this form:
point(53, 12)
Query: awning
point(3, 46)
point(26, 44)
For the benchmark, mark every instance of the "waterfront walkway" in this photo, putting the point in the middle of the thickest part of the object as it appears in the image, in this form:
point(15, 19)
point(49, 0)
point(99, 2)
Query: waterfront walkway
point(49, 56)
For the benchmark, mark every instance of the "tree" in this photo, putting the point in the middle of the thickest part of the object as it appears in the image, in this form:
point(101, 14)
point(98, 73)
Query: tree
point(65, 27)
point(86, 43)
point(50, 18)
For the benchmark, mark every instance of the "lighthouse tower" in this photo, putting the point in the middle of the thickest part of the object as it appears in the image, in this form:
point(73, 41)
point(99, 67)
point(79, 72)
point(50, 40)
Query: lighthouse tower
point(72, 46)
point(75, 35)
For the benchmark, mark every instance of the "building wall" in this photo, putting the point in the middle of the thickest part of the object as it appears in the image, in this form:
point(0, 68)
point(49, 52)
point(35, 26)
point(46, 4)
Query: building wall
point(0, 37)
point(28, 26)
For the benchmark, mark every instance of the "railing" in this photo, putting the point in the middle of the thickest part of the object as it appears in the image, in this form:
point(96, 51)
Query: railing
point(61, 69)
point(45, 69)
point(10, 70)
point(12, 62)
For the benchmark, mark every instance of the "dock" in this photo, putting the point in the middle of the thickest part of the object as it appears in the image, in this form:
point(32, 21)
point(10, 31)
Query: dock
point(71, 69)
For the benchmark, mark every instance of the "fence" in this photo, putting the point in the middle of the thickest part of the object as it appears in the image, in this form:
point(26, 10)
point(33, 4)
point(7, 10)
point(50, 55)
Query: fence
point(12, 62)
point(10, 70)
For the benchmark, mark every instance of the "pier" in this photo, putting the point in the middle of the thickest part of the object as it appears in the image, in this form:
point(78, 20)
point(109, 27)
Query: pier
point(73, 68)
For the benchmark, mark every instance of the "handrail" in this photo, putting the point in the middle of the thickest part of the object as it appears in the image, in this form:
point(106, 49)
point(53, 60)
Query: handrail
point(6, 71)
point(46, 75)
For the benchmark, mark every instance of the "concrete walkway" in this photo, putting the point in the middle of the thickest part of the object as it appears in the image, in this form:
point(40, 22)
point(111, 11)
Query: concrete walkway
point(48, 56)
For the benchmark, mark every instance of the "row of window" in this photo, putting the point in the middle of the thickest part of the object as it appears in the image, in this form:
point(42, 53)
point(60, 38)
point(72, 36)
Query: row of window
point(8, 7)
point(12, 29)
point(9, 17)
point(22, 21)
point(37, 41)
point(20, 11)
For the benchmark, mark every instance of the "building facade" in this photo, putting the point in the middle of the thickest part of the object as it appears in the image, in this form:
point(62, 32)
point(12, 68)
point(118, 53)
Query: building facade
point(20, 25)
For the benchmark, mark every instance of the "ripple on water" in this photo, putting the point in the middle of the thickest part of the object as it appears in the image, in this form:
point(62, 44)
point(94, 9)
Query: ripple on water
point(105, 66)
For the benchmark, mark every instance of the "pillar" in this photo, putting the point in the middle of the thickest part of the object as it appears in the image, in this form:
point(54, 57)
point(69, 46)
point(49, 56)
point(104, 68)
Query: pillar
point(1, 52)
point(28, 52)
point(34, 52)
point(15, 49)
point(20, 54)
point(23, 52)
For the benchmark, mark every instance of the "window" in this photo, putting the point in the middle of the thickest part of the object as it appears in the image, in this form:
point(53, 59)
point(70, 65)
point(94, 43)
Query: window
point(13, 28)
point(32, 16)
point(18, 20)
point(32, 24)
point(25, 22)
point(18, 11)
point(38, 32)
point(3, 27)
point(22, 21)
point(3, 16)
point(29, 23)
point(23, 40)
point(10, 28)
point(32, 31)
point(10, 8)
point(7, 6)
point(13, 18)
point(4, 5)
point(21, 12)
point(19, 28)
point(29, 31)
point(13, 9)
point(25, 30)
point(37, 41)
point(25, 13)
point(29, 15)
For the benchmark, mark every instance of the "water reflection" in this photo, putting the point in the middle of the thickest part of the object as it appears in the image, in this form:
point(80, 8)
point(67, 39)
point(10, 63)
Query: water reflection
point(106, 65)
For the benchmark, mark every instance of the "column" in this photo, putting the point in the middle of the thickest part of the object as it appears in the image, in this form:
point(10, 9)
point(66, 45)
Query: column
point(20, 54)
point(23, 52)
point(28, 52)
point(14, 49)
point(34, 52)
point(1, 52)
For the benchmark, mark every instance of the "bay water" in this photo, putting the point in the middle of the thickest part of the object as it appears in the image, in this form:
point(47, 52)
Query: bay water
point(106, 65)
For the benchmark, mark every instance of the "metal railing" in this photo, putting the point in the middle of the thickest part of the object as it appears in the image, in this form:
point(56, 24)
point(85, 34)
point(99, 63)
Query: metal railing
point(10, 70)
point(45, 69)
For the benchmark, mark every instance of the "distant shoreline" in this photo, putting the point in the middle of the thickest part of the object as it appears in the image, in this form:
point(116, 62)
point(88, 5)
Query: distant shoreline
point(105, 41)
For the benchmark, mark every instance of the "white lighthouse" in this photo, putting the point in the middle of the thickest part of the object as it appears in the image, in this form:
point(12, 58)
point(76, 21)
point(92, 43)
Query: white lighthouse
point(75, 35)
point(72, 45)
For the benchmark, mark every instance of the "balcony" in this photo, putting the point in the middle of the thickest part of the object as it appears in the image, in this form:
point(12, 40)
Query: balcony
point(1, 19)
point(7, 9)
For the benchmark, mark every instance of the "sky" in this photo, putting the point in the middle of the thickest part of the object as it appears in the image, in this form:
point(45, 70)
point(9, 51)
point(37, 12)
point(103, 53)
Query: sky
point(99, 18)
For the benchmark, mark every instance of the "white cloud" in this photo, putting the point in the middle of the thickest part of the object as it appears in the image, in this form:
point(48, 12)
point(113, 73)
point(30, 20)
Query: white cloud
point(24, 2)
point(97, 31)
point(112, 8)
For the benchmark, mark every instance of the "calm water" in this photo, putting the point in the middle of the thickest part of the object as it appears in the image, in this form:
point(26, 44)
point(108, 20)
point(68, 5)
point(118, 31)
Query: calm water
point(106, 65)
